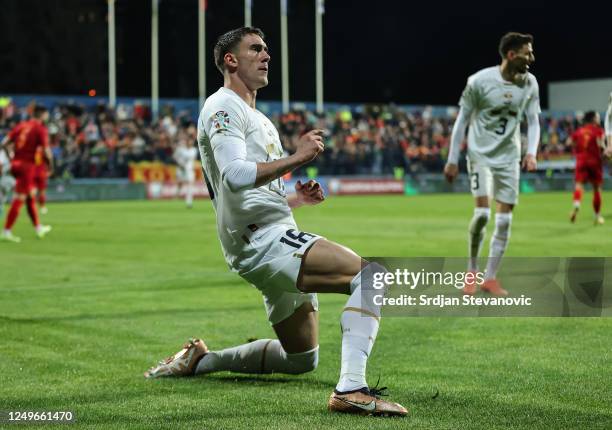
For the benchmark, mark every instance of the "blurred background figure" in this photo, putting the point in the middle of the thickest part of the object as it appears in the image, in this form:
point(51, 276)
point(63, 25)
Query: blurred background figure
point(588, 142)
point(185, 156)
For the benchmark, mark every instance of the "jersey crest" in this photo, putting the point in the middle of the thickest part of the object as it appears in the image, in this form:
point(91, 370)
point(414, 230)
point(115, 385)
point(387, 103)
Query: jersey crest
point(221, 120)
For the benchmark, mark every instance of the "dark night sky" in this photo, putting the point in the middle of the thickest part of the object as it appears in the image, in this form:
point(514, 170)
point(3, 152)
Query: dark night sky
point(406, 52)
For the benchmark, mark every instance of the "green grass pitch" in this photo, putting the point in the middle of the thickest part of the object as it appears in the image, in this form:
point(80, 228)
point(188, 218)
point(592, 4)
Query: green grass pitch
point(119, 285)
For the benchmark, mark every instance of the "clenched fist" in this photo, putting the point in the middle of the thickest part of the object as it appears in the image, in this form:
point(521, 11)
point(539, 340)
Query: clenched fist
point(309, 193)
point(310, 145)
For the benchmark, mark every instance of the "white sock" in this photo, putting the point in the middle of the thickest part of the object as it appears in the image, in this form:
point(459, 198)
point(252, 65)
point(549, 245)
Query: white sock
point(189, 195)
point(499, 243)
point(359, 322)
point(260, 356)
point(476, 235)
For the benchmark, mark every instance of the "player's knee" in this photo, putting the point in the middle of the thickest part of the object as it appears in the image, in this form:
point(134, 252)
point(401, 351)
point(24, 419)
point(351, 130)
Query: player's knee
point(503, 222)
point(480, 219)
point(304, 362)
point(371, 278)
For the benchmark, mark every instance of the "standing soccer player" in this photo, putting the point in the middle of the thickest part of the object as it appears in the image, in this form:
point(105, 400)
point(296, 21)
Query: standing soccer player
point(27, 137)
point(41, 176)
point(588, 142)
point(243, 160)
point(493, 104)
point(185, 156)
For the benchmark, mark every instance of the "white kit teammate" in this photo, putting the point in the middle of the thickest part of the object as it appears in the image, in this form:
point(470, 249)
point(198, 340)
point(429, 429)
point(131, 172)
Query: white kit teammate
point(492, 105)
point(243, 160)
point(608, 127)
point(185, 155)
point(7, 182)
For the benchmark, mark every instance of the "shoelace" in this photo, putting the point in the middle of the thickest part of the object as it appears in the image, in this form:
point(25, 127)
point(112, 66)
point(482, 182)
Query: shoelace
point(378, 392)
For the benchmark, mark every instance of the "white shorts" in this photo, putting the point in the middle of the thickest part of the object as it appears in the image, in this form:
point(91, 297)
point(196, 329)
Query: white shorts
point(275, 266)
point(184, 175)
point(500, 183)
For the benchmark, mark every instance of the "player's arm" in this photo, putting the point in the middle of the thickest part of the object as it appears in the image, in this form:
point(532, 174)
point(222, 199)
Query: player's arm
point(468, 102)
point(49, 158)
point(4, 145)
point(533, 139)
point(451, 168)
point(239, 174)
point(308, 147)
point(533, 127)
point(48, 155)
point(227, 133)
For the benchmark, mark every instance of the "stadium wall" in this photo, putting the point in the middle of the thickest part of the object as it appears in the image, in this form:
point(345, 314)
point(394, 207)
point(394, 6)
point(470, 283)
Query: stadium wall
point(582, 95)
point(95, 189)
point(111, 189)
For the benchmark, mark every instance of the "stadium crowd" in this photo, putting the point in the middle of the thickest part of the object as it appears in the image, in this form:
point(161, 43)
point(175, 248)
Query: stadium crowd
point(100, 142)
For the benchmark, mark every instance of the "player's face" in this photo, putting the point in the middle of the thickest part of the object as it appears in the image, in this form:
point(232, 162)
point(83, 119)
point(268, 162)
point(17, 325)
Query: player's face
point(253, 60)
point(522, 58)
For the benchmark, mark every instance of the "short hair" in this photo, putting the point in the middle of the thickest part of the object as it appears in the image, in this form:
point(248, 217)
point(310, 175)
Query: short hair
point(513, 41)
point(589, 117)
point(229, 41)
point(38, 111)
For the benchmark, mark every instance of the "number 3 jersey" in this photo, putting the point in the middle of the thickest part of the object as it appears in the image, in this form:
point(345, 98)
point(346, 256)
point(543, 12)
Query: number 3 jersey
point(495, 108)
point(227, 120)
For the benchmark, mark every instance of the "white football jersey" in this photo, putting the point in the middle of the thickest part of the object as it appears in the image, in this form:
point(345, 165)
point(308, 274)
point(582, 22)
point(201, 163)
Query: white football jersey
point(185, 157)
point(495, 108)
point(226, 119)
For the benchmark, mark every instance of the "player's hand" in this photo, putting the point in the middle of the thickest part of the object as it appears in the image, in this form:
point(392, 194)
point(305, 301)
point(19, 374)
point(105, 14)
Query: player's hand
point(310, 145)
point(451, 171)
point(530, 163)
point(309, 193)
point(608, 151)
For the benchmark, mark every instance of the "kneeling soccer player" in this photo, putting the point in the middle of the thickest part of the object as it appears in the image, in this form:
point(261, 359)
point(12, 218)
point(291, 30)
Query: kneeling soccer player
point(244, 164)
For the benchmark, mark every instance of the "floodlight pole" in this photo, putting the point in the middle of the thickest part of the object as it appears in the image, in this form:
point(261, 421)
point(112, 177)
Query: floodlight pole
point(202, 51)
point(284, 56)
point(155, 60)
point(320, 10)
point(112, 70)
point(247, 13)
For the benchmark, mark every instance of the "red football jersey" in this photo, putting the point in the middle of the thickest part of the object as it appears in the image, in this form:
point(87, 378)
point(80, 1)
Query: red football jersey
point(28, 136)
point(585, 143)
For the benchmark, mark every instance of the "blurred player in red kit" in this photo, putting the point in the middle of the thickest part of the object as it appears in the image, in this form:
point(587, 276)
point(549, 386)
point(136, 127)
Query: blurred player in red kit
point(27, 137)
point(588, 142)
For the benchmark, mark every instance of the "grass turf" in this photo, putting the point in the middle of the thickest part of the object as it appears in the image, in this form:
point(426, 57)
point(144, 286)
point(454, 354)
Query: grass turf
point(119, 285)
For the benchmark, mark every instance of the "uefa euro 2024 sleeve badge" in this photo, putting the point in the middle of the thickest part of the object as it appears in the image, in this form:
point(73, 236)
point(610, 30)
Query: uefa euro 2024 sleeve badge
point(221, 120)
